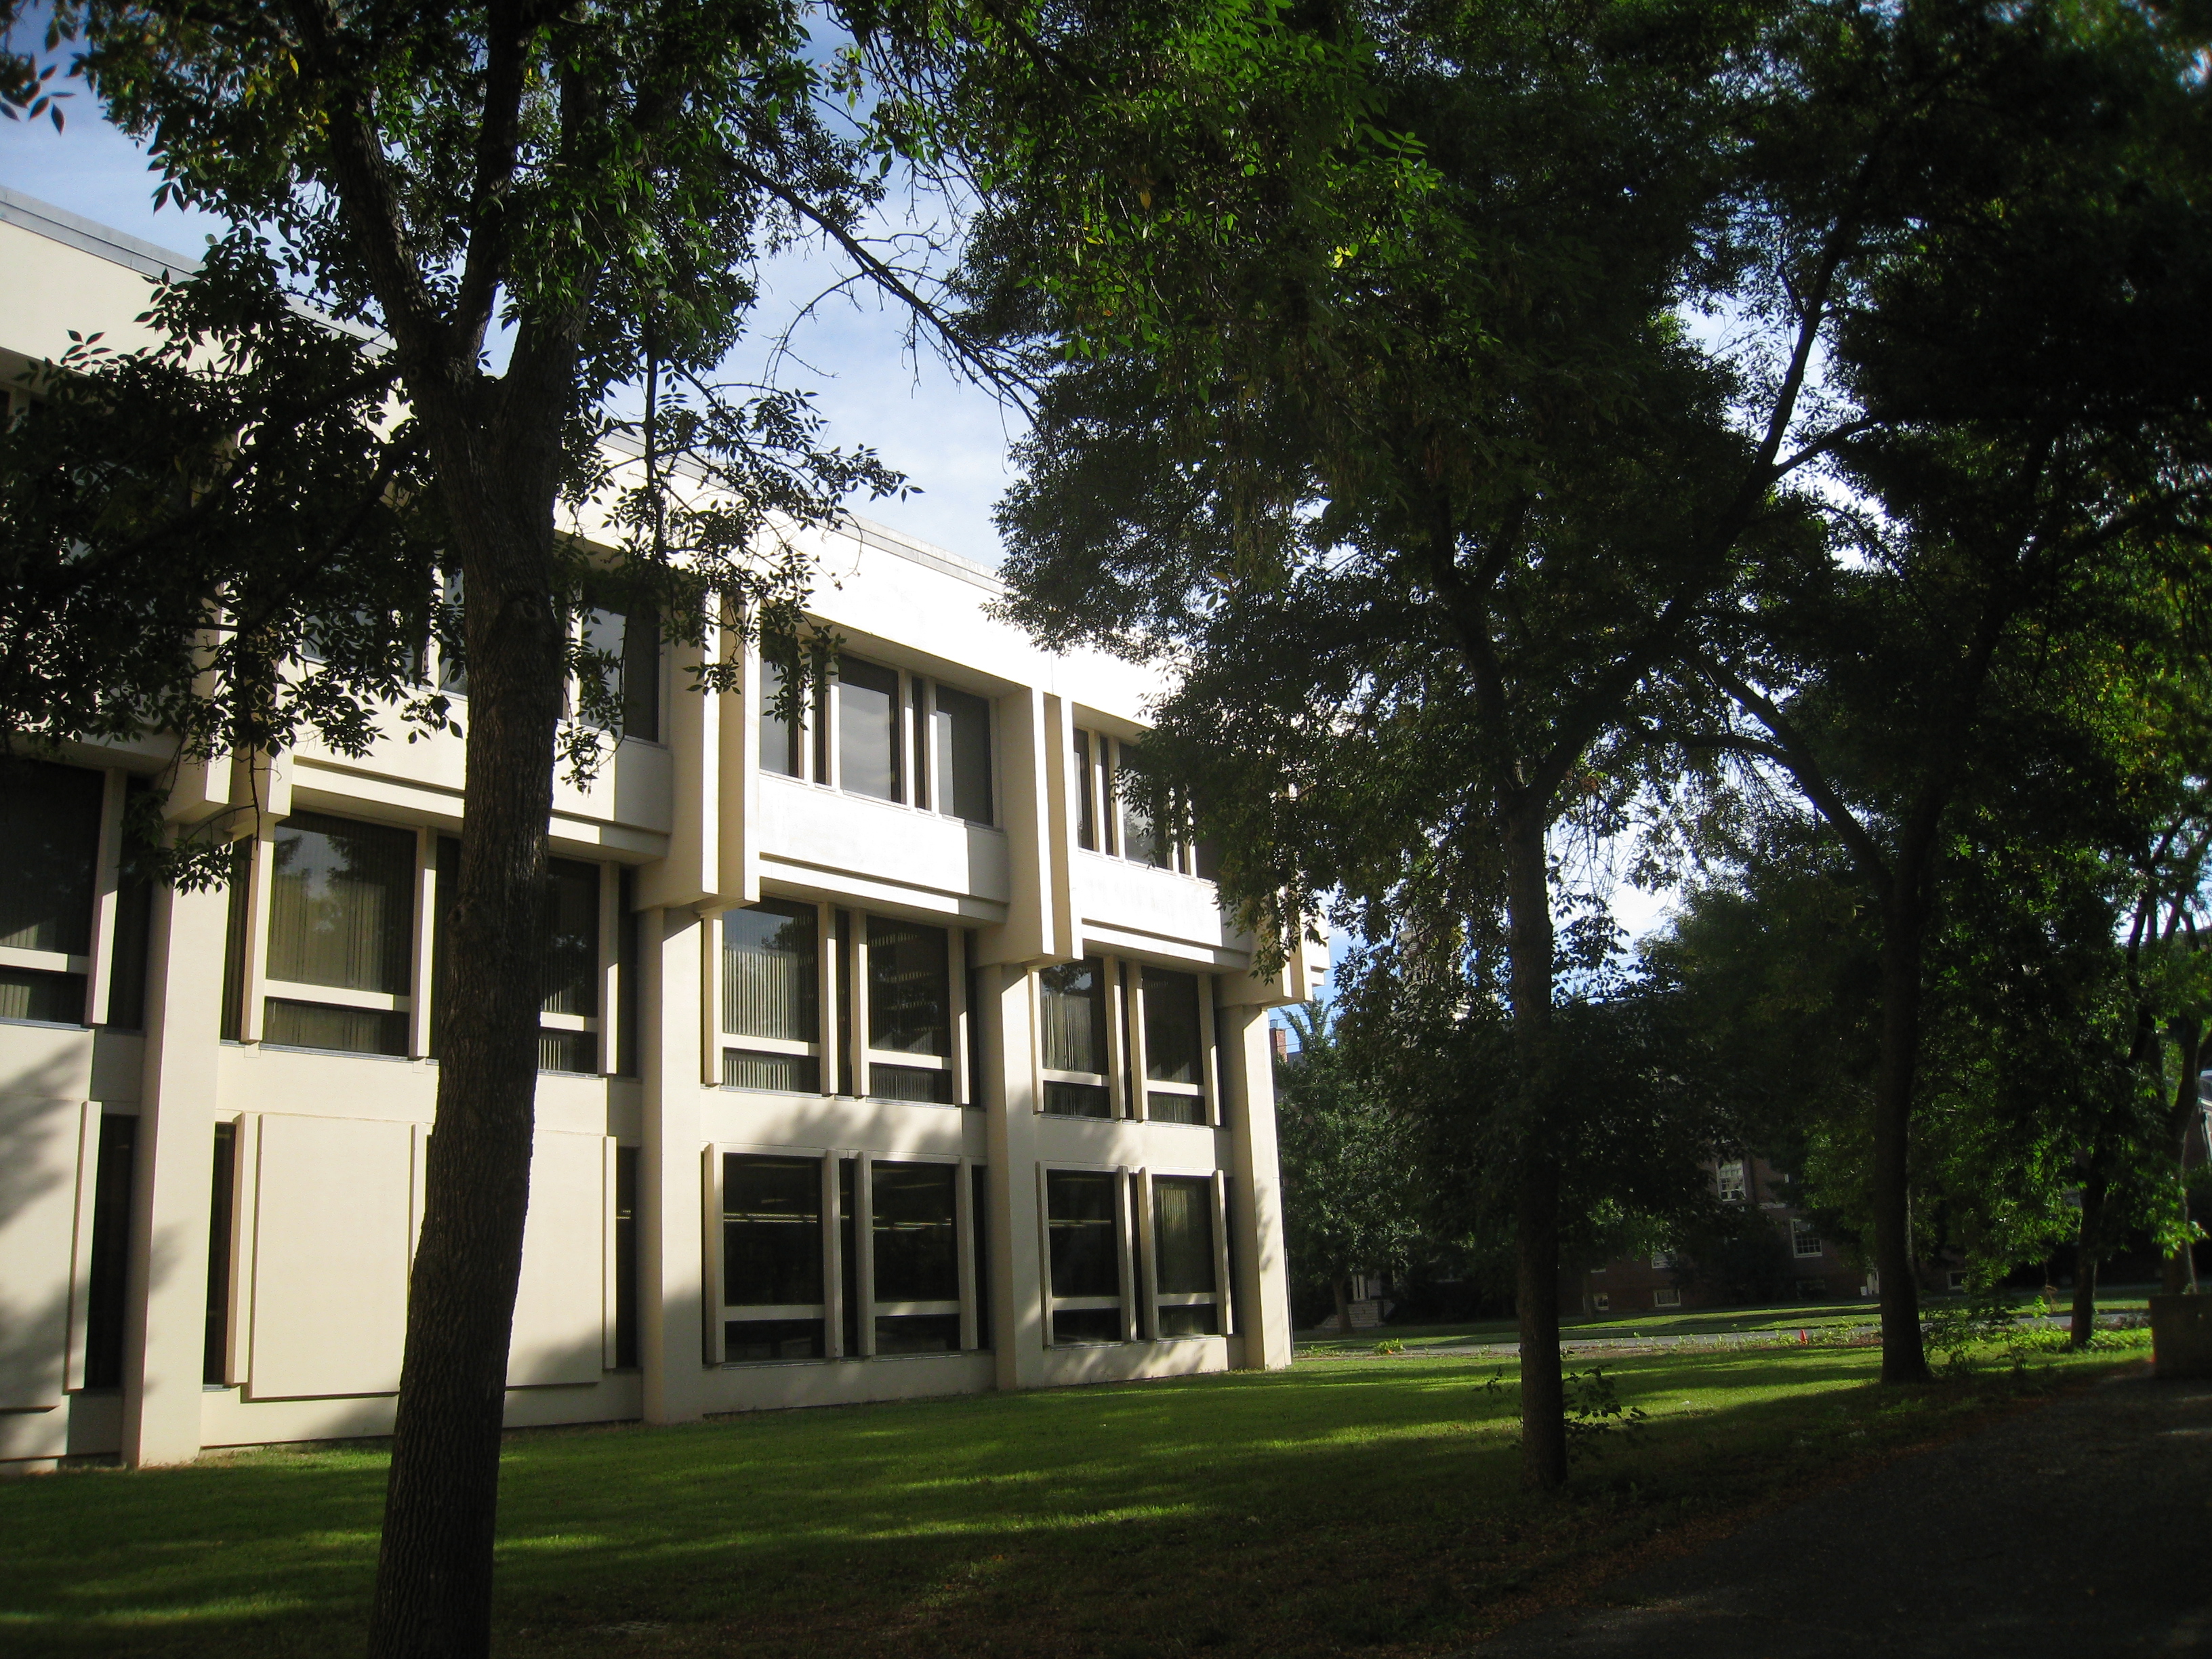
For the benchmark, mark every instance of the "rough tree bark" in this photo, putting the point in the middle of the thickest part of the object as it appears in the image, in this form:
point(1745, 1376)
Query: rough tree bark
point(1904, 921)
point(1536, 1195)
point(2087, 1257)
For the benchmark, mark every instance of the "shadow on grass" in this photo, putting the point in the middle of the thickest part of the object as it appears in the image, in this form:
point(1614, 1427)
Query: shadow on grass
point(1353, 1504)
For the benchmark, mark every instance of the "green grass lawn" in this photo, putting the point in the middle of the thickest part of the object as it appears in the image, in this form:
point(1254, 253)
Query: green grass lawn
point(1703, 1321)
point(1346, 1504)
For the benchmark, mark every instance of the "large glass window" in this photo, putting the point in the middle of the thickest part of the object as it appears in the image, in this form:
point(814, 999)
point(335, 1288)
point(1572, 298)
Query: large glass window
point(916, 1253)
point(50, 827)
point(1174, 1067)
point(910, 1010)
point(1188, 1280)
point(1071, 1005)
point(341, 916)
point(771, 980)
point(868, 729)
point(1082, 1222)
point(772, 1258)
point(961, 728)
point(630, 644)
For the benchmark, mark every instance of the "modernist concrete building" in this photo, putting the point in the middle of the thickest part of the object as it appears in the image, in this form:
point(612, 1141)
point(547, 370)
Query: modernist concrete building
point(891, 1055)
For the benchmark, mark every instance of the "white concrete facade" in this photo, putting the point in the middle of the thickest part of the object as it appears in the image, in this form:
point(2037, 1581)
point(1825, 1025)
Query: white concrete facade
point(984, 1103)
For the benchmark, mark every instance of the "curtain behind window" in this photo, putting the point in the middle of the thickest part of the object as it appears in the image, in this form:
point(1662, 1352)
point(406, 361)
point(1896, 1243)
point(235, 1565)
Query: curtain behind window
point(342, 904)
point(770, 976)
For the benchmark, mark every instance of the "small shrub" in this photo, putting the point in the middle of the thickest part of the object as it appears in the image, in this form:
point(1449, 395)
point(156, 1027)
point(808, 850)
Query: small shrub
point(1595, 1411)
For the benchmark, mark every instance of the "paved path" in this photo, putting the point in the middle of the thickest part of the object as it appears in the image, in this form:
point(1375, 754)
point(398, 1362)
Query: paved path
point(2080, 1530)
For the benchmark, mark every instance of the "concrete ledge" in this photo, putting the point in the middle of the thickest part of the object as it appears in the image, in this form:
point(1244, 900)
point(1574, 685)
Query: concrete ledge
point(2181, 1336)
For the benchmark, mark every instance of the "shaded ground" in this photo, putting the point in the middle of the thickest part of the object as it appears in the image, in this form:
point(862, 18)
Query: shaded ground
point(2081, 1529)
point(1350, 1505)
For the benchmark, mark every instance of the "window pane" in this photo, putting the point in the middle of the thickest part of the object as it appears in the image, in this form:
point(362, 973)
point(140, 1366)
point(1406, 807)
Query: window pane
point(1138, 844)
point(1164, 1108)
point(50, 827)
point(1080, 1218)
point(771, 1338)
point(771, 1230)
point(1073, 1000)
point(916, 1249)
point(626, 1165)
point(1190, 1319)
point(918, 1333)
point(55, 998)
point(915, 1083)
point(771, 980)
point(1182, 1234)
point(347, 1031)
point(963, 755)
point(640, 671)
point(1087, 1325)
point(909, 990)
point(341, 904)
point(779, 738)
point(1077, 1100)
point(568, 1051)
point(1170, 1026)
point(1086, 824)
point(798, 1074)
point(107, 1298)
point(868, 729)
point(572, 937)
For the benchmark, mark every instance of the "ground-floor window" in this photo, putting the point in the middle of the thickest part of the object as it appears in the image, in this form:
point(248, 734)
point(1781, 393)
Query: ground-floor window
point(1083, 1225)
point(1186, 1257)
point(830, 1256)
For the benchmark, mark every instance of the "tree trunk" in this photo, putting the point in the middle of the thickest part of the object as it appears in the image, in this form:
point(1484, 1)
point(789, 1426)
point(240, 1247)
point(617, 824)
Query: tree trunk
point(2087, 1257)
point(1903, 927)
point(1536, 1197)
point(2180, 1277)
point(433, 1596)
point(1343, 1288)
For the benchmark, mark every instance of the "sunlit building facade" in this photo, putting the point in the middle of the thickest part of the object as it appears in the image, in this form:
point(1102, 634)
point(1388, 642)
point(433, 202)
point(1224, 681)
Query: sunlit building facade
point(887, 1052)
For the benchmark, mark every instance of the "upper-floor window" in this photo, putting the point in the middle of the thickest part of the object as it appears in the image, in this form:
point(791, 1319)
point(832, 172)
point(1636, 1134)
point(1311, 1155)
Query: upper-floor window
point(884, 733)
point(1730, 1179)
point(771, 979)
point(631, 639)
point(1174, 1066)
point(1117, 1037)
point(1072, 1007)
point(54, 893)
point(868, 717)
point(895, 991)
point(1114, 815)
point(341, 932)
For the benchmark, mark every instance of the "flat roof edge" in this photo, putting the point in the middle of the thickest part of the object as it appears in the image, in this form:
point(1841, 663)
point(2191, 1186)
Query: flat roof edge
point(59, 224)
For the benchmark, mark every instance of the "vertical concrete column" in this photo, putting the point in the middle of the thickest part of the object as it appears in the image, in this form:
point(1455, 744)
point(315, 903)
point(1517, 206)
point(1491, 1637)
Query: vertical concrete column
point(166, 1332)
point(1017, 1329)
point(1263, 1295)
point(672, 1311)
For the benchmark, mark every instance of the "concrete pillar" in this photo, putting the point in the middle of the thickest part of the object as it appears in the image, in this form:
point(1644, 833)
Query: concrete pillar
point(671, 1314)
point(165, 1337)
point(1017, 1329)
point(1256, 1210)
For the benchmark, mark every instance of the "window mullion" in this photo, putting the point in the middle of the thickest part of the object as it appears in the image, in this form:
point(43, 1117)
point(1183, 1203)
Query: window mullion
point(1140, 1070)
point(261, 867)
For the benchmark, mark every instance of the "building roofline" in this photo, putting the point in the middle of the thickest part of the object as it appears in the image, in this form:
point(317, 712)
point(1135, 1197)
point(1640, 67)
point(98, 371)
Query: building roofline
point(59, 224)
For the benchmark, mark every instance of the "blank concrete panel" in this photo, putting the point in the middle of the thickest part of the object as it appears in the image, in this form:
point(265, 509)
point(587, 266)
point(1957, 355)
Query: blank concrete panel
point(38, 1226)
point(560, 1315)
point(332, 1235)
